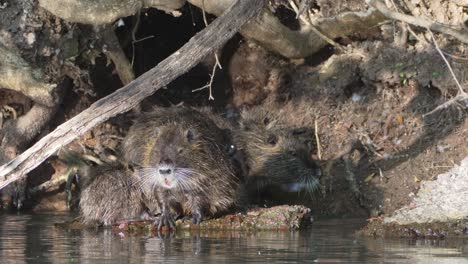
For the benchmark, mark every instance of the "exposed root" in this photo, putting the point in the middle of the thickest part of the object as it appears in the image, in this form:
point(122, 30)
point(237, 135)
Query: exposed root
point(16, 135)
point(100, 12)
point(114, 51)
point(461, 35)
point(51, 184)
point(16, 74)
point(307, 19)
point(301, 43)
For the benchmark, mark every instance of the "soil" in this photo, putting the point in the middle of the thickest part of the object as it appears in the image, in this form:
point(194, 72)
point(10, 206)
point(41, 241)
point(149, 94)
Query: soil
point(368, 103)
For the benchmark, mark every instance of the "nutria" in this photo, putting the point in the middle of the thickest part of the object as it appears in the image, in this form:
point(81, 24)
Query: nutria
point(181, 154)
point(110, 194)
point(255, 74)
point(276, 155)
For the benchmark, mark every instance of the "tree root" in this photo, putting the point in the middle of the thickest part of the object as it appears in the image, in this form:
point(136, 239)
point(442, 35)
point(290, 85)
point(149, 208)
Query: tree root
point(114, 52)
point(16, 74)
point(267, 29)
point(271, 34)
point(461, 35)
point(16, 134)
point(101, 12)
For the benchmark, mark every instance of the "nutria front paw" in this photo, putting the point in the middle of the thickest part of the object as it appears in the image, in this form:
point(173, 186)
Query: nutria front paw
point(166, 220)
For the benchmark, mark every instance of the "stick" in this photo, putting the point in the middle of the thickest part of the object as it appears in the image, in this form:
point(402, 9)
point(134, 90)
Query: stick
point(124, 99)
point(217, 64)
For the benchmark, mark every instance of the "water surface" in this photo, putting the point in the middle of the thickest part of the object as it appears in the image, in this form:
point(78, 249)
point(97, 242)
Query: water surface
point(26, 238)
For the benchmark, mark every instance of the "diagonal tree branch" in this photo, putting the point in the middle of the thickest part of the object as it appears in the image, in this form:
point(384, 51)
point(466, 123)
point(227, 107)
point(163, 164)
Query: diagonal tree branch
point(204, 43)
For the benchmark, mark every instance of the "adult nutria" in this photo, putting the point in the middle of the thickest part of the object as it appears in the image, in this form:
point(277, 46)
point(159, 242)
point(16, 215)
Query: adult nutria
point(110, 194)
point(276, 155)
point(181, 154)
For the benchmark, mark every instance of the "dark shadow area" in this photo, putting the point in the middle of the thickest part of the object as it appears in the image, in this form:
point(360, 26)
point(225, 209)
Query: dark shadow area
point(158, 35)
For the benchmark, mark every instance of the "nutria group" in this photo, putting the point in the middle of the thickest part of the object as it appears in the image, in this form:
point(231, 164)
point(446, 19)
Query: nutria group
point(181, 155)
point(190, 162)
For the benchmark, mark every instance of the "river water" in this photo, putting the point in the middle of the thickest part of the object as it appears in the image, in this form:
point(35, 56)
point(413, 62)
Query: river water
point(27, 238)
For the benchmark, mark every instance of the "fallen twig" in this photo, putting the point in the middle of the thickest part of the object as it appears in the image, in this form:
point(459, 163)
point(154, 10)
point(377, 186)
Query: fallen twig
point(216, 65)
point(317, 140)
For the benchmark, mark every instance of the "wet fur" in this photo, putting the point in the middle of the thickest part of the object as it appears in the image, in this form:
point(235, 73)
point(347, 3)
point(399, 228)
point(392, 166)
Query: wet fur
point(109, 195)
point(276, 153)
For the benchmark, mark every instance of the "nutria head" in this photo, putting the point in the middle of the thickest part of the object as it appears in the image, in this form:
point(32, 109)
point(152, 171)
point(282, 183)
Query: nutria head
point(277, 155)
point(172, 157)
point(176, 149)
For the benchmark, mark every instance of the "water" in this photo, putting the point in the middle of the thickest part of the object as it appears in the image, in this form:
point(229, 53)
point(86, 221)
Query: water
point(29, 238)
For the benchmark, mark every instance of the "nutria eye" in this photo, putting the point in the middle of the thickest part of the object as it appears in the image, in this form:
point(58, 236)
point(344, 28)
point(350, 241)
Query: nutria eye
point(272, 140)
point(190, 136)
point(299, 131)
point(180, 150)
point(266, 121)
point(231, 150)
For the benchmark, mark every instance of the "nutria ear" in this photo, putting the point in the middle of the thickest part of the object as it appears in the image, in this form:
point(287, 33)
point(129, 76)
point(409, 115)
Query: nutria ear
point(244, 126)
point(191, 135)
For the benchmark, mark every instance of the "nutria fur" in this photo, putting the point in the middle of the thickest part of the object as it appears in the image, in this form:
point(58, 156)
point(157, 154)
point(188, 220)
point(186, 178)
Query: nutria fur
point(110, 194)
point(255, 74)
point(181, 154)
point(276, 155)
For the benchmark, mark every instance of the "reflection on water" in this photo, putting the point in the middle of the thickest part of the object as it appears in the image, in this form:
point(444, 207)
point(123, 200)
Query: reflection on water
point(33, 238)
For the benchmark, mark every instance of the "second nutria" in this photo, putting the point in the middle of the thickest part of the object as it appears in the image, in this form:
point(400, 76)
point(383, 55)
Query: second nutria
point(276, 155)
point(110, 194)
point(181, 154)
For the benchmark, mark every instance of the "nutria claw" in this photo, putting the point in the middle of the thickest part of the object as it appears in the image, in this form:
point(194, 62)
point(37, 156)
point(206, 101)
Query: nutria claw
point(166, 220)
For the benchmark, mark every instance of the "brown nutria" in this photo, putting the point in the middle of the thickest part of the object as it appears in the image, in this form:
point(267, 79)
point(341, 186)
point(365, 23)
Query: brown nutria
point(110, 194)
point(181, 154)
point(255, 74)
point(276, 155)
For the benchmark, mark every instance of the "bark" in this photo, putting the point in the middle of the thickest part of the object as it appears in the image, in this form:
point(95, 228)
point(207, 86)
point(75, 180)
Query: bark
point(124, 99)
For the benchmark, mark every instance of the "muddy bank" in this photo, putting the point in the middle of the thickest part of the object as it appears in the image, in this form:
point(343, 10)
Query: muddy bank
point(438, 210)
